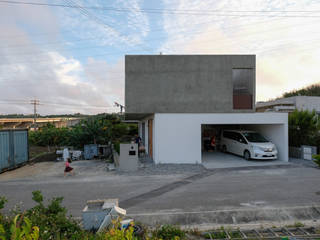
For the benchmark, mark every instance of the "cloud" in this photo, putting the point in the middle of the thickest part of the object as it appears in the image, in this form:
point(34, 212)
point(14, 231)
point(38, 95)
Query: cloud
point(286, 48)
point(61, 82)
point(108, 78)
point(109, 28)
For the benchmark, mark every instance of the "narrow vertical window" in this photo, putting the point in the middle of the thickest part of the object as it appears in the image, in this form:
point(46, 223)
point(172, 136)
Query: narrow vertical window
point(242, 79)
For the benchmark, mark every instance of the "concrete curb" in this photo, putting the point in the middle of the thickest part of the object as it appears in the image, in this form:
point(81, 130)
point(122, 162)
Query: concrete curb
point(231, 217)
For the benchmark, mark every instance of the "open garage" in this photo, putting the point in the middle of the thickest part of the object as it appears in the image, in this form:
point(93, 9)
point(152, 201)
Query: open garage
point(219, 150)
point(184, 138)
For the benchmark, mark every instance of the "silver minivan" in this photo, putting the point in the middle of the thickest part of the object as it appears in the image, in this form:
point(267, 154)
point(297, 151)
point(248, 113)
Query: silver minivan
point(249, 144)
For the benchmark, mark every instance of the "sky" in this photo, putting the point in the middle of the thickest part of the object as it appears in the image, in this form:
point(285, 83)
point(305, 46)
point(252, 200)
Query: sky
point(72, 58)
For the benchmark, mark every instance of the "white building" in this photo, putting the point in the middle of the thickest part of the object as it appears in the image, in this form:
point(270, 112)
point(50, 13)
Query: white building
point(180, 100)
point(290, 104)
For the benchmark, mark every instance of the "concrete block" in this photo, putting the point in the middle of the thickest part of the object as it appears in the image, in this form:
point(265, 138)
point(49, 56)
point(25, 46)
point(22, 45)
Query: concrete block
point(129, 160)
point(95, 212)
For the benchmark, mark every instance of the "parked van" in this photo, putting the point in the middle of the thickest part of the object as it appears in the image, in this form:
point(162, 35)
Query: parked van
point(249, 144)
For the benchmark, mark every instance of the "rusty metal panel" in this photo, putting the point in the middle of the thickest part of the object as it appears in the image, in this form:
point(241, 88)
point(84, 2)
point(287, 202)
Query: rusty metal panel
point(242, 101)
point(4, 150)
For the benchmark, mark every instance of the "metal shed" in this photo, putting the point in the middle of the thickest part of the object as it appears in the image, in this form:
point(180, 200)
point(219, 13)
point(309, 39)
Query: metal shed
point(14, 148)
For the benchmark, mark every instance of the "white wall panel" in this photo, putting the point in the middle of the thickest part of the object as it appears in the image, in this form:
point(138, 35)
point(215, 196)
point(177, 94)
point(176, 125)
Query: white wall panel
point(177, 137)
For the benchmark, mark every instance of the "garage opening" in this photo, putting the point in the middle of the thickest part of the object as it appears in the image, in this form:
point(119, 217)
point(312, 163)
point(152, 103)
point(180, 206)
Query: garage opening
point(241, 145)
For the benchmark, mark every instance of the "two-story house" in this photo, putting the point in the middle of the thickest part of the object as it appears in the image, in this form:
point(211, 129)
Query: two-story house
point(175, 97)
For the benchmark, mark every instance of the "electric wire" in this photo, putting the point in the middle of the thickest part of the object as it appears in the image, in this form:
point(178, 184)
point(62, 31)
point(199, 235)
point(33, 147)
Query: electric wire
point(170, 11)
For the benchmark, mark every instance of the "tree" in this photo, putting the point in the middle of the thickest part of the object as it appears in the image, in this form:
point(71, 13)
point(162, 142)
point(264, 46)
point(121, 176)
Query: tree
point(99, 129)
point(303, 128)
point(312, 90)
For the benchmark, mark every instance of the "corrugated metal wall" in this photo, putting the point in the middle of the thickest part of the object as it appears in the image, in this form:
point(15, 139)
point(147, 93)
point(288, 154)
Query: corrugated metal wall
point(14, 149)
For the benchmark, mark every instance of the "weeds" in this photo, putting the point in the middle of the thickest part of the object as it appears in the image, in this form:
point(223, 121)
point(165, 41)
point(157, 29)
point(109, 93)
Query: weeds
point(168, 232)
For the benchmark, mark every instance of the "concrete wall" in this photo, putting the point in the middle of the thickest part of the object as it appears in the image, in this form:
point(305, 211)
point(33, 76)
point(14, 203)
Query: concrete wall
point(183, 84)
point(178, 136)
point(308, 103)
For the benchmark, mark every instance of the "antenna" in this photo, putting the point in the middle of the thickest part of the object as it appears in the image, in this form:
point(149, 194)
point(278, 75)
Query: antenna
point(119, 105)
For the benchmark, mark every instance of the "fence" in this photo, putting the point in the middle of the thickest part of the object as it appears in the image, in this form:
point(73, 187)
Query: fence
point(14, 148)
point(294, 152)
point(303, 152)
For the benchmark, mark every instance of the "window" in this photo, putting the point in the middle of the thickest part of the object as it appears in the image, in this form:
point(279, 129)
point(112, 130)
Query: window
point(241, 139)
point(230, 135)
point(242, 79)
point(255, 137)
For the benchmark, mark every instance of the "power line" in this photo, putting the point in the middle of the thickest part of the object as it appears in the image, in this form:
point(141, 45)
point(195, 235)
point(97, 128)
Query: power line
point(36, 102)
point(156, 39)
point(94, 18)
point(120, 52)
point(170, 11)
point(152, 39)
point(151, 31)
point(102, 54)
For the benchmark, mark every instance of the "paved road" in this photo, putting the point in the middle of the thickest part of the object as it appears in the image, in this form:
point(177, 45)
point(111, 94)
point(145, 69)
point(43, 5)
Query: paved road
point(247, 188)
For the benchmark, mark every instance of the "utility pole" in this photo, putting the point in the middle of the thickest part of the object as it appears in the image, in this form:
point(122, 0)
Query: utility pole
point(35, 102)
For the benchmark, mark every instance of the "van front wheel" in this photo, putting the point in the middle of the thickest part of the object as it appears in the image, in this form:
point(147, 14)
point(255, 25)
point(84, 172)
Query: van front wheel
point(246, 155)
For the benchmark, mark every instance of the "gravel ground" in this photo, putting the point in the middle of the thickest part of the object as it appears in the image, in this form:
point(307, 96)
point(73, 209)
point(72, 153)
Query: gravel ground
point(165, 169)
point(88, 168)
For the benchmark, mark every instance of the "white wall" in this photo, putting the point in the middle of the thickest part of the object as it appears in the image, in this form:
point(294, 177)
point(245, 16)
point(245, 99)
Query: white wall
point(278, 134)
point(177, 137)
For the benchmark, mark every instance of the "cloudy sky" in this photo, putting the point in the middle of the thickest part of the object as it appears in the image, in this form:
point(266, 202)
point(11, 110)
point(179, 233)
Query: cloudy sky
point(69, 54)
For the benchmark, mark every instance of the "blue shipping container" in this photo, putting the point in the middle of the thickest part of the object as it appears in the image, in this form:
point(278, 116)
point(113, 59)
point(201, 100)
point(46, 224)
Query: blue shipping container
point(14, 148)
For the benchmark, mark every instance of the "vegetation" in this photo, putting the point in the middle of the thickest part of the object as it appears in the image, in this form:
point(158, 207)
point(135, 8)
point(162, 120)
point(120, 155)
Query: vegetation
point(51, 222)
point(312, 90)
point(295, 225)
point(100, 129)
point(169, 232)
point(304, 128)
point(316, 159)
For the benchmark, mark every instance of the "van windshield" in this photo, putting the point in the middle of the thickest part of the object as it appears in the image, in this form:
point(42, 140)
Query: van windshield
point(254, 137)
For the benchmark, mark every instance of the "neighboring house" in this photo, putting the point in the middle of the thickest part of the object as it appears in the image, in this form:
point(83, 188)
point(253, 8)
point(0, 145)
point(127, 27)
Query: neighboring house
point(290, 104)
point(174, 96)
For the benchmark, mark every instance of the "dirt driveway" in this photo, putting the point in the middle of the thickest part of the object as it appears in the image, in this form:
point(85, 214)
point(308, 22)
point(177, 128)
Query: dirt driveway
point(55, 169)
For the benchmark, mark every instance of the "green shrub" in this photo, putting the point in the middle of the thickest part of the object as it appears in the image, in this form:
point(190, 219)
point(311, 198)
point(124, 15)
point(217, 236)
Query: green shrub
point(52, 219)
point(303, 128)
point(116, 233)
point(169, 232)
point(3, 201)
point(316, 159)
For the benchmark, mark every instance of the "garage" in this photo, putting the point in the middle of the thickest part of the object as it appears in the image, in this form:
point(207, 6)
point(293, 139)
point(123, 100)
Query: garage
point(215, 146)
point(180, 137)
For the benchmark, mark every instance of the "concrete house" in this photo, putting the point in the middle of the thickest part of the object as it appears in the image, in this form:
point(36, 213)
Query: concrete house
point(179, 99)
